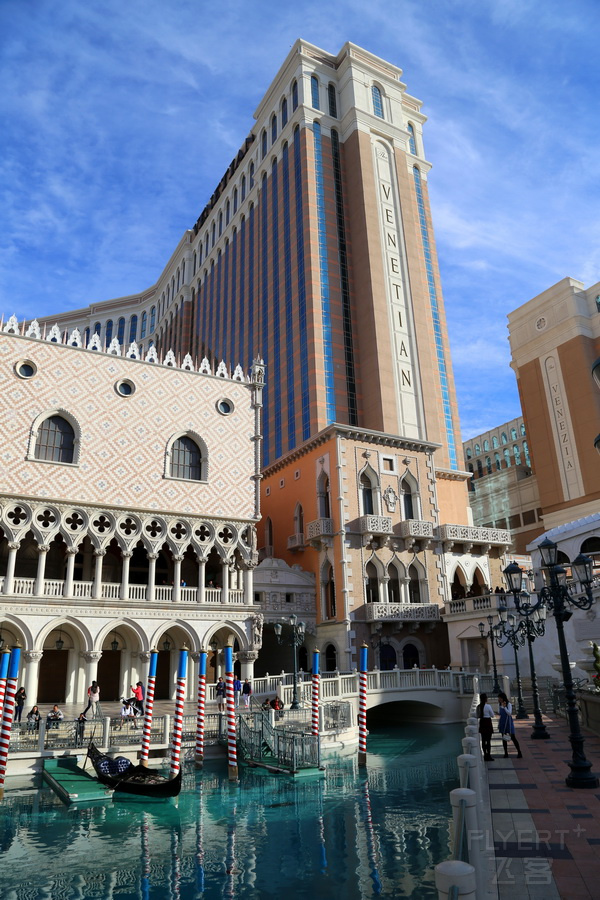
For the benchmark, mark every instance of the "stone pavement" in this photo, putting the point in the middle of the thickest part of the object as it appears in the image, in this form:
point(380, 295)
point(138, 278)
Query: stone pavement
point(546, 835)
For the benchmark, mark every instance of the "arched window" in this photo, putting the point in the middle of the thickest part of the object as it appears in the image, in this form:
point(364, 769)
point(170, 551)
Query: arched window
point(507, 457)
point(298, 519)
point(372, 584)
point(144, 325)
point(195, 263)
point(366, 495)
point(108, 332)
point(97, 328)
point(497, 461)
point(133, 329)
point(273, 129)
point(414, 587)
point(213, 234)
point(251, 175)
point(284, 113)
point(178, 281)
point(86, 337)
point(486, 445)
point(517, 454)
point(513, 434)
point(468, 453)
point(186, 460)
point(243, 189)
point(152, 319)
point(294, 96)
point(494, 442)
point(263, 144)
point(522, 429)
point(377, 101)
point(235, 195)
point(121, 330)
point(332, 100)
point(407, 499)
point(503, 438)
point(479, 469)
point(411, 138)
point(200, 248)
point(330, 658)
point(228, 212)
point(393, 585)
point(526, 454)
point(206, 244)
point(314, 91)
point(488, 465)
point(329, 586)
point(220, 224)
point(410, 656)
point(323, 496)
point(269, 535)
point(55, 441)
point(477, 449)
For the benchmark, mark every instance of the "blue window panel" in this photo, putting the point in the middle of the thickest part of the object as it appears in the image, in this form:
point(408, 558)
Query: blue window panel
point(273, 129)
point(289, 302)
point(233, 328)
point(437, 327)
point(264, 276)
point(224, 305)
point(263, 145)
point(276, 311)
point(144, 325)
point(302, 328)
point(294, 96)
point(377, 101)
point(251, 249)
point(152, 319)
point(284, 113)
point(324, 273)
point(242, 301)
point(133, 329)
point(411, 139)
point(121, 330)
point(332, 101)
point(314, 91)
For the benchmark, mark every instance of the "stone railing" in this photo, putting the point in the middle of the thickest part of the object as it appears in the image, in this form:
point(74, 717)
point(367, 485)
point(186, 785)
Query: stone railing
point(53, 588)
point(406, 612)
point(415, 528)
point(466, 605)
point(319, 528)
point(296, 541)
point(467, 534)
point(375, 525)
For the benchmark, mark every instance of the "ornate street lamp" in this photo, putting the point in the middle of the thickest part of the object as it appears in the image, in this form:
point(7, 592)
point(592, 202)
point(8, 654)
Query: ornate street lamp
point(557, 597)
point(166, 643)
point(59, 644)
point(533, 625)
point(114, 644)
point(296, 639)
point(510, 633)
point(489, 635)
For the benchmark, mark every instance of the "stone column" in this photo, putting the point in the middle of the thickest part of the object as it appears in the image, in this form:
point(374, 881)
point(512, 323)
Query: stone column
point(41, 568)
point(247, 659)
point(126, 556)
point(225, 582)
point(97, 585)
point(151, 588)
point(176, 596)
point(68, 585)
point(144, 657)
point(9, 578)
point(92, 658)
point(383, 589)
point(201, 578)
point(31, 674)
point(249, 586)
point(404, 592)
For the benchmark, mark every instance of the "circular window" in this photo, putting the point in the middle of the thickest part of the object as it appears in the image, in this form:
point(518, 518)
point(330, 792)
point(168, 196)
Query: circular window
point(25, 368)
point(225, 407)
point(125, 388)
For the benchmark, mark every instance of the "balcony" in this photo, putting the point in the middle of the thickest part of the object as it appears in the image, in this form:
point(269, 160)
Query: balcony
point(296, 541)
point(375, 525)
point(319, 528)
point(413, 530)
point(54, 589)
point(468, 606)
point(467, 535)
point(402, 612)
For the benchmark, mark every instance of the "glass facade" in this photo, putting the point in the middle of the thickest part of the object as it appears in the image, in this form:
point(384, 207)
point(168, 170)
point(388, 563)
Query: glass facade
point(324, 272)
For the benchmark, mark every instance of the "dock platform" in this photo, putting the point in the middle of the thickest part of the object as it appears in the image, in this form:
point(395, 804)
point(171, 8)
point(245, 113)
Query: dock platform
point(71, 783)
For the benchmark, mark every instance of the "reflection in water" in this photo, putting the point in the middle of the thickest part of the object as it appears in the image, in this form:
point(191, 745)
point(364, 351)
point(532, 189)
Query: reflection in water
point(340, 835)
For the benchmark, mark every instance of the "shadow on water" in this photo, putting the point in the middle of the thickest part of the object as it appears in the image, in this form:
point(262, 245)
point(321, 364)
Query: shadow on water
point(350, 834)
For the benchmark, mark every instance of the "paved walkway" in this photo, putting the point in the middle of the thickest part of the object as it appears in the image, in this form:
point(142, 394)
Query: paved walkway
point(546, 835)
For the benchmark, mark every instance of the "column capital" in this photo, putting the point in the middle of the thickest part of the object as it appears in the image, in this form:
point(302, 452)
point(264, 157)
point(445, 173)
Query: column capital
point(99, 552)
point(33, 655)
point(195, 654)
point(247, 655)
point(152, 555)
point(127, 554)
point(14, 545)
point(178, 557)
point(43, 548)
point(72, 551)
point(92, 655)
point(144, 655)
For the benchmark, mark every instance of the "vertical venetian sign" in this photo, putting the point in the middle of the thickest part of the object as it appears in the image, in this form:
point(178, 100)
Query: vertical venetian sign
point(562, 430)
point(406, 371)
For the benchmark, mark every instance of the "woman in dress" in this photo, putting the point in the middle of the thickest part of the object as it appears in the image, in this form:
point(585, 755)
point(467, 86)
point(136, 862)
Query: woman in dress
point(20, 698)
point(506, 726)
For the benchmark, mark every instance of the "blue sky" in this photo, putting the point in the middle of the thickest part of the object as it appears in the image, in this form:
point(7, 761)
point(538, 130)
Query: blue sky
point(119, 118)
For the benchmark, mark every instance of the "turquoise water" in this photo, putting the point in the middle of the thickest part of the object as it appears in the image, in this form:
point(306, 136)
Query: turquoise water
point(349, 834)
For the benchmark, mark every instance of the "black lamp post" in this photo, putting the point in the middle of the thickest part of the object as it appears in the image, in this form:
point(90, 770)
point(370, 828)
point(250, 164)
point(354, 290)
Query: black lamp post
point(557, 597)
point(490, 636)
point(510, 633)
point(533, 625)
point(296, 639)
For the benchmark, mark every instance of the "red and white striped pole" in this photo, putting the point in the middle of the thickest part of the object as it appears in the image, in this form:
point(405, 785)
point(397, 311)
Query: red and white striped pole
point(315, 693)
point(178, 719)
point(201, 707)
point(4, 659)
point(149, 707)
point(362, 707)
point(231, 734)
point(9, 710)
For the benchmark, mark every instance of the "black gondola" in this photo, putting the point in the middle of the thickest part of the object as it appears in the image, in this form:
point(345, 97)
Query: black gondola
point(132, 779)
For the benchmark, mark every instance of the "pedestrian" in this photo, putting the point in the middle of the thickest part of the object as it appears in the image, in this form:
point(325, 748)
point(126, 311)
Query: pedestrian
point(80, 729)
point(237, 690)
point(138, 696)
point(55, 716)
point(506, 726)
point(20, 698)
point(33, 719)
point(247, 692)
point(127, 713)
point(93, 698)
point(485, 714)
point(220, 694)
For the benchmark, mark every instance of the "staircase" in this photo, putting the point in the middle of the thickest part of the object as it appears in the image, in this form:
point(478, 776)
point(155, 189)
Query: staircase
point(276, 749)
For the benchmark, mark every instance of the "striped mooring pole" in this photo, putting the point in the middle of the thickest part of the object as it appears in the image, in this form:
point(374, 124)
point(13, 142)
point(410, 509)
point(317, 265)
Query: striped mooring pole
point(231, 735)
point(315, 693)
point(4, 659)
point(362, 707)
point(178, 718)
point(149, 707)
point(201, 707)
point(9, 711)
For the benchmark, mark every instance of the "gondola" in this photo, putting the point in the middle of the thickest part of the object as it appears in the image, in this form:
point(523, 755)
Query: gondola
point(132, 779)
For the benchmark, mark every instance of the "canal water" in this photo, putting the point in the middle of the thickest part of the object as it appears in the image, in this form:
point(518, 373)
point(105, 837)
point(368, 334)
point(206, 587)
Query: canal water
point(349, 834)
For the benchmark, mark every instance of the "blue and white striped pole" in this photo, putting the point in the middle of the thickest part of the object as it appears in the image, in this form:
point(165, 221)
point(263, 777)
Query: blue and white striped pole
point(178, 718)
point(9, 711)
